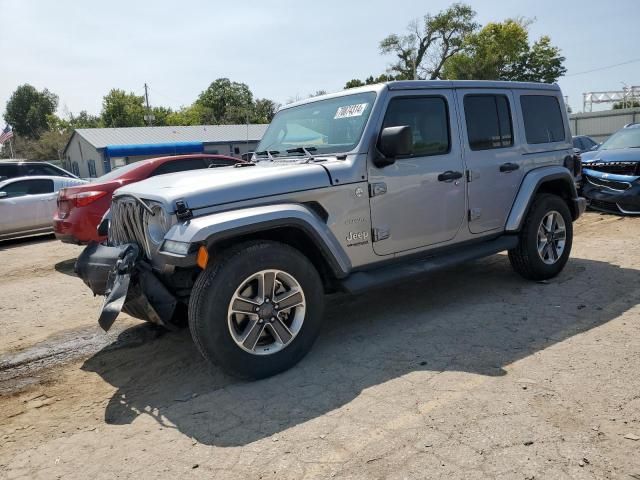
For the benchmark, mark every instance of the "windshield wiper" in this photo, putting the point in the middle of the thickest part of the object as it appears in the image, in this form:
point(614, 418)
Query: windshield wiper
point(267, 153)
point(304, 150)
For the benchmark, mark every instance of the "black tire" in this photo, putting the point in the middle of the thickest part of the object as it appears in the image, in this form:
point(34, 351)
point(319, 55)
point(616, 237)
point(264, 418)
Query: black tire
point(214, 290)
point(525, 258)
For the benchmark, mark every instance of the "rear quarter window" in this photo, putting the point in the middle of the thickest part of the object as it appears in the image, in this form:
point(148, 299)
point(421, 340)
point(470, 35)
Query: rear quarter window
point(9, 171)
point(542, 117)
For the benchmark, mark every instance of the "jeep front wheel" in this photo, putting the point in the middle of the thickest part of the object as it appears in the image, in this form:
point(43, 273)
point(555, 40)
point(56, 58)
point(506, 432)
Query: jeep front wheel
point(257, 309)
point(545, 239)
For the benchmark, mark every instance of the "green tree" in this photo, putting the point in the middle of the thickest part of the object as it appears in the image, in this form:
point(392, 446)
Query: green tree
point(628, 104)
point(191, 115)
point(161, 116)
point(430, 43)
point(540, 63)
point(501, 51)
point(490, 53)
point(384, 77)
point(83, 120)
point(121, 109)
point(226, 102)
point(27, 110)
point(264, 110)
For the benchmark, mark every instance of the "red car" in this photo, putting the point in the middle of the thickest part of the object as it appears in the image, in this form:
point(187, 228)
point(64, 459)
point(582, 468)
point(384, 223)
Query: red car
point(81, 208)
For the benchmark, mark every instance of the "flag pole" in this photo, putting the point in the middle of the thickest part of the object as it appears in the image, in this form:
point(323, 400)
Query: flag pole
point(11, 148)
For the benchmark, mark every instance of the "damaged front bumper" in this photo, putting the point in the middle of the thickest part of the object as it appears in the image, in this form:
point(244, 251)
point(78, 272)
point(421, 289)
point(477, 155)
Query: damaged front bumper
point(128, 283)
point(612, 193)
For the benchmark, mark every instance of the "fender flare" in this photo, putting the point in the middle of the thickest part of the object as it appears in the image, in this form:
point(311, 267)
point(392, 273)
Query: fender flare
point(530, 186)
point(216, 227)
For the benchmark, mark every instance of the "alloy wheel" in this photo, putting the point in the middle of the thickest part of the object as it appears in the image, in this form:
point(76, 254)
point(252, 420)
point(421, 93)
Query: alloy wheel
point(552, 235)
point(266, 312)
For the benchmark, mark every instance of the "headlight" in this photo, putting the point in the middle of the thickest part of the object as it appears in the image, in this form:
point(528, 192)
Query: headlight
point(157, 224)
point(179, 248)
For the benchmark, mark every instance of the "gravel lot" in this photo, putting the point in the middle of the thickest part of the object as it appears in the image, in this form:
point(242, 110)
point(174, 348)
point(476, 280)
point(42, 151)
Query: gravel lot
point(474, 373)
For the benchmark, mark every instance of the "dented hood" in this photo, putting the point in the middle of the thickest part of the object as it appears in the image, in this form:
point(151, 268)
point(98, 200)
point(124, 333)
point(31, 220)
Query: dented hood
point(217, 186)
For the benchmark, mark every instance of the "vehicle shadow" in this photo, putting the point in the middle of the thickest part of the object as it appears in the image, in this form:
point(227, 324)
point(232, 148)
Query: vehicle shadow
point(67, 267)
point(475, 318)
point(22, 241)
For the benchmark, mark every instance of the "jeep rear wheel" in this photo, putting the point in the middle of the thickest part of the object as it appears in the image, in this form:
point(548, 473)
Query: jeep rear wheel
point(545, 239)
point(257, 309)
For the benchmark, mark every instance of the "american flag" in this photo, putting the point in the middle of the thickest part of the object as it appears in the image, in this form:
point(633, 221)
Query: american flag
point(6, 134)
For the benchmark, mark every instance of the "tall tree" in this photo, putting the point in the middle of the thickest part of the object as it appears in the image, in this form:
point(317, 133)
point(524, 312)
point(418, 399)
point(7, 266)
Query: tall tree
point(384, 77)
point(542, 62)
point(83, 120)
point(28, 110)
point(490, 53)
point(226, 102)
point(501, 51)
point(121, 109)
point(430, 43)
point(161, 116)
point(264, 110)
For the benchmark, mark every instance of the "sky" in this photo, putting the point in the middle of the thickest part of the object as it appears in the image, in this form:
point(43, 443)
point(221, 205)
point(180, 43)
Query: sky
point(282, 49)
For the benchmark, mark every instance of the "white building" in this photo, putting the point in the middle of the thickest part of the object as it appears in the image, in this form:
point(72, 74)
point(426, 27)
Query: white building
point(92, 152)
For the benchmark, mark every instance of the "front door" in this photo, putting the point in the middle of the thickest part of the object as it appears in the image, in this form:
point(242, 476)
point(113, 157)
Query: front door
point(420, 199)
point(493, 156)
point(27, 205)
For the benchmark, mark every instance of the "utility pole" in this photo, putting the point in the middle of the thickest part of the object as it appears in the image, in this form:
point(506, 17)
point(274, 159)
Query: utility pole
point(148, 117)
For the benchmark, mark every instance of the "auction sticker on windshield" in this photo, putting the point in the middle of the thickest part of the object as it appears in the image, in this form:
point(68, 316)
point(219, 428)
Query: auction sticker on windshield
point(351, 110)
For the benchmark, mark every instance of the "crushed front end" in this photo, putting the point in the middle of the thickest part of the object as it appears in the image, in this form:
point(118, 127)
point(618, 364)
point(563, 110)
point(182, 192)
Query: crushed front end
point(612, 186)
point(124, 271)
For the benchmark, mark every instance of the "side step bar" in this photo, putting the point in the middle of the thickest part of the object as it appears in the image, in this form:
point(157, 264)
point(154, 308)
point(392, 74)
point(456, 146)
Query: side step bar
point(388, 275)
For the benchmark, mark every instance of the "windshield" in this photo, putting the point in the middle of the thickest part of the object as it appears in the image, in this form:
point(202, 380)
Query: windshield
point(323, 127)
point(625, 138)
point(118, 172)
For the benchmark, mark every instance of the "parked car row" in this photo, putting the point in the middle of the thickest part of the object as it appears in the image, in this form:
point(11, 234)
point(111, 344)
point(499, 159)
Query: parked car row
point(41, 198)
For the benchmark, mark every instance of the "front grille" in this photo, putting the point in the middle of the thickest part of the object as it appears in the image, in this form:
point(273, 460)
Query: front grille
point(617, 168)
point(612, 184)
point(127, 225)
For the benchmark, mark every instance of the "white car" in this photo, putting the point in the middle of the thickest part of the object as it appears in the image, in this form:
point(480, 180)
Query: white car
point(27, 204)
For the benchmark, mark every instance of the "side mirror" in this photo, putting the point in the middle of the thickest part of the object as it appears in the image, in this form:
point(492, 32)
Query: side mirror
point(3, 194)
point(394, 142)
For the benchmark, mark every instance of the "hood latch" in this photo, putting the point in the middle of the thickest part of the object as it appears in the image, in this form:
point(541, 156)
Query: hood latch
point(183, 212)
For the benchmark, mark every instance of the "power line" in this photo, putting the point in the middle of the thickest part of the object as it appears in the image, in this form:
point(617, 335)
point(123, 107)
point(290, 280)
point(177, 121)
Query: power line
point(604, 68)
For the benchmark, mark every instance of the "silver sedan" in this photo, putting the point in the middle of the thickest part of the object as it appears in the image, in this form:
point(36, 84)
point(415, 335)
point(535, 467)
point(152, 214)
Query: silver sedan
point(27, 204)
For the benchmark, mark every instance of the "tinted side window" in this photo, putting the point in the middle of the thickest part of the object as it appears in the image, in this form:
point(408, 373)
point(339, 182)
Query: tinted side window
point(488, 121)
point(9, 171)
point(542, 119)
point(28, 187)
point(577, 143)
point(429, 121)
point(179, 166)
point(42, 170)
point(588, 143)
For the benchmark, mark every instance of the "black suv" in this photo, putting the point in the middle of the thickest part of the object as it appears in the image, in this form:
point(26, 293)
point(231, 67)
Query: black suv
point(13, 168)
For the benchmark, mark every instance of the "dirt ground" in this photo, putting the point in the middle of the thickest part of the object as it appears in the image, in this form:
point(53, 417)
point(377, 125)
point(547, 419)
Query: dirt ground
point(473, 373)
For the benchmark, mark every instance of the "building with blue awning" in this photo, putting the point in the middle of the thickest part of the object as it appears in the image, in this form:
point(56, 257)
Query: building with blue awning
point(92, 152)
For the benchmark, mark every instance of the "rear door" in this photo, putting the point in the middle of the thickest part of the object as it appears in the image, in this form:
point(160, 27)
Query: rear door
point(419, 200)
point(493, 155)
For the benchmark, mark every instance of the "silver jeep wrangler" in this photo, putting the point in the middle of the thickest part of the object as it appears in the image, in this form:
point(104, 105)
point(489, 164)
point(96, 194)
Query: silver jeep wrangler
point(346, 192)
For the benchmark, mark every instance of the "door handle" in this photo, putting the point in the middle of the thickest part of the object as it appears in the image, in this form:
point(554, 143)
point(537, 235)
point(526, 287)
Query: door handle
point(449, 176)
point(509, 167)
